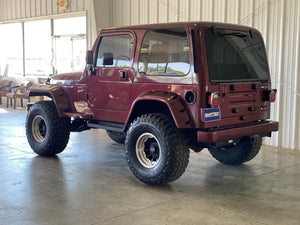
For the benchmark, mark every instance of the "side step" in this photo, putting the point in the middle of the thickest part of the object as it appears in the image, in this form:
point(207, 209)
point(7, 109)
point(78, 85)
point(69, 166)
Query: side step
point(117, 127)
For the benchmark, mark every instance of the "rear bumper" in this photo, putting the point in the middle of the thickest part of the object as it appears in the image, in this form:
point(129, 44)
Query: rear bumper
point(231, 133)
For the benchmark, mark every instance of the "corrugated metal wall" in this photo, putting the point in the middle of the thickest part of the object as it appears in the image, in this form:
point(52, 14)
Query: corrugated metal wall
point(279, 22)
point(22, 9)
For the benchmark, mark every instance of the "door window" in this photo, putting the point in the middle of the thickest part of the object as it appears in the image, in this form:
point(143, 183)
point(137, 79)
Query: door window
point(115, 51)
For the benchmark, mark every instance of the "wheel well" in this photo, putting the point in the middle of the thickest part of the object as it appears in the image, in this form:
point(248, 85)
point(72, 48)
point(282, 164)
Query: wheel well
point(149, 106)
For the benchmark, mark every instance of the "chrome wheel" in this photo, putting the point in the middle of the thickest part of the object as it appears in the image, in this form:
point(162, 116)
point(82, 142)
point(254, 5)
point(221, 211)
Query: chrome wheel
point(39, 129)
point(148, 150)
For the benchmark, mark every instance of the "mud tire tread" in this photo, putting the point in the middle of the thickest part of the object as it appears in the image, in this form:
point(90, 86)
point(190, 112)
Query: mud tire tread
point(58, 129)
point(174, 149)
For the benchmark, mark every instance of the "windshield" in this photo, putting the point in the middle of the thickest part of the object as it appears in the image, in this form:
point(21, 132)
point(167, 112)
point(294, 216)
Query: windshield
point(235, 55)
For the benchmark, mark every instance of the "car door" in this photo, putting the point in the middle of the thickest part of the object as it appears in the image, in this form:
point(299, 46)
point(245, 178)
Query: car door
point(109, 89)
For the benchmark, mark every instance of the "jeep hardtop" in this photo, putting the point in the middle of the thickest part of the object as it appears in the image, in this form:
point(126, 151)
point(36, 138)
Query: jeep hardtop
point(163, 89)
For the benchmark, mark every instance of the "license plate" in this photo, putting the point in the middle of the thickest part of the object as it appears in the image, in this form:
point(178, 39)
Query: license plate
point(211, 114)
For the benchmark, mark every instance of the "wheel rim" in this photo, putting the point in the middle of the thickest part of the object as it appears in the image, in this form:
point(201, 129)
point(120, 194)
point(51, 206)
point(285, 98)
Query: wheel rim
point(39, 128)
point(148, 150)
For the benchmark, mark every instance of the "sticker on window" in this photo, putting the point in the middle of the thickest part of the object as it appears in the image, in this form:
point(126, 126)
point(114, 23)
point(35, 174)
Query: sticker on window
point(211, 114)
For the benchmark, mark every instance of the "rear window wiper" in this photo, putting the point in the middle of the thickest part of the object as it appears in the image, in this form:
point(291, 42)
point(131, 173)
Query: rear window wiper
point(236, 34)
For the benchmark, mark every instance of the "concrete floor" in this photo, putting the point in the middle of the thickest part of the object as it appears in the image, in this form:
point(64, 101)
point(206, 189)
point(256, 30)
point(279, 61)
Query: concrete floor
point(90, 183)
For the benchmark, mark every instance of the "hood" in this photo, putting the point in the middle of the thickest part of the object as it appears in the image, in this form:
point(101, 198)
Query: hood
point(67, 76)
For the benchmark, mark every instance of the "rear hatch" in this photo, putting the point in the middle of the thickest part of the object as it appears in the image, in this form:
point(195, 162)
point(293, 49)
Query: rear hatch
point(238, 78)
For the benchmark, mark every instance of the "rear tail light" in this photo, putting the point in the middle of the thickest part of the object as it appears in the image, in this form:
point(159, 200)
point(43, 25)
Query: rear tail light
point(213, 99)
point(269, 95)
point(272, 95)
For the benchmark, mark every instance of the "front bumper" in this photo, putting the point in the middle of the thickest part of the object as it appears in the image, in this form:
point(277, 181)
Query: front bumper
point(232, 133)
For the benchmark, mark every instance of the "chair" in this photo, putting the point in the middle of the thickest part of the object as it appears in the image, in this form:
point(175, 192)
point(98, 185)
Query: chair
point(18, 92)
point(5, 86)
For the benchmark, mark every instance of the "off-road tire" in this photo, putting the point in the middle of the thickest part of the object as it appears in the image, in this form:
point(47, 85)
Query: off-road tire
point(173, 153)
point(47, 133)
point(243, 151)
point(116, 136)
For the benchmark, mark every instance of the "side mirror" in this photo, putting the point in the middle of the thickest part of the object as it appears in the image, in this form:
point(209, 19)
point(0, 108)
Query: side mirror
point(89, 57)
point(108, 59)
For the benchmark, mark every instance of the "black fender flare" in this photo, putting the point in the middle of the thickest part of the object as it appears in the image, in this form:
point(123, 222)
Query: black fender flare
point(174, 103)
point(55, 92)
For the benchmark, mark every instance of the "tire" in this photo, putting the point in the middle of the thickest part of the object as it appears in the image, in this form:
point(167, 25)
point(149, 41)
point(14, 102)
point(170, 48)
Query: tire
point(116, 136)
point(155, 151)
point(46, 132)
point(243, 151)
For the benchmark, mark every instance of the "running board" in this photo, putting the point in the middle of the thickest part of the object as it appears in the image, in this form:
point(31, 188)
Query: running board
point(117, 127)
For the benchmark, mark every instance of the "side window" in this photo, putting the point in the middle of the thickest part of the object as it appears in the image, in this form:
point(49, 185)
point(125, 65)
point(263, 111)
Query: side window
point(165, 52)
point(115, 51)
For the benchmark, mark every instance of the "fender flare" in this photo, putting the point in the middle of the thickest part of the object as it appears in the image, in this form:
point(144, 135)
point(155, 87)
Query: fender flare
point(54, 92)
point(174, 102)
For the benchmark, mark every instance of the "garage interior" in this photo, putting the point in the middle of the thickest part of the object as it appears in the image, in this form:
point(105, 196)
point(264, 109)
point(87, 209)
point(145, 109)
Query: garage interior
point(90, 182)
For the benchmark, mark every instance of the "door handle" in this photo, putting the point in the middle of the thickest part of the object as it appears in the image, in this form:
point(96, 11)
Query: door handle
point(123, 75)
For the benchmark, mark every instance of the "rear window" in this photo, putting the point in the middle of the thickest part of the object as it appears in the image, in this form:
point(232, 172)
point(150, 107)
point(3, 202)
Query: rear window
point(165, 52)
point(235, 56)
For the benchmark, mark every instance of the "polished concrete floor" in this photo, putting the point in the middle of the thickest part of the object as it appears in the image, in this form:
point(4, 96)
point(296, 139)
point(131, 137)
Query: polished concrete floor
point(90, 184)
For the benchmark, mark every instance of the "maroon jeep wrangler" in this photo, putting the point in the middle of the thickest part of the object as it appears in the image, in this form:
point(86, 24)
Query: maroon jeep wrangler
point(163, 89)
